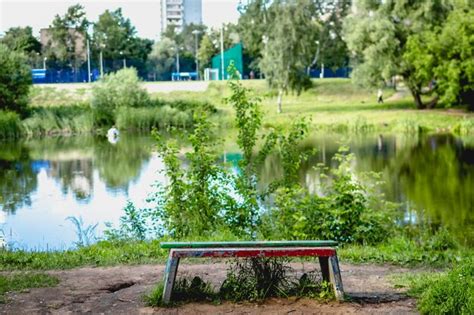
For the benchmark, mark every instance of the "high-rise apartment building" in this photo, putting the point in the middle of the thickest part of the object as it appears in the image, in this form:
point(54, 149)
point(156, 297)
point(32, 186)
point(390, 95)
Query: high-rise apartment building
point(180, 13)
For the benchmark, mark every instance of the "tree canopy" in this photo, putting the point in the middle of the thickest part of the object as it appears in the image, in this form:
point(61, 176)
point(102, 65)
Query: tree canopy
point(377, 33)
point(445, 62)
point(15, 80)
point(21, 39)
point(68, 34)
point(287, 49)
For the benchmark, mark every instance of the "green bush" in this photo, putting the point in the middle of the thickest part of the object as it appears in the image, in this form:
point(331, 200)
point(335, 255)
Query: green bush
point(345, 211)
point(116, 90)
point(15, 81)
point(146, 118)
point(452, 293)
point(10, 124)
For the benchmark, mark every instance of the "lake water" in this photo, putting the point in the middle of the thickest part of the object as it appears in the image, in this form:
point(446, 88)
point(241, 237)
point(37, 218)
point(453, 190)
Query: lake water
point(45, 181)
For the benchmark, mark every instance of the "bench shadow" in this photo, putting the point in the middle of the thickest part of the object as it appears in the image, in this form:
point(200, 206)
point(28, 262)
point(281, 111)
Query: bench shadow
point(375, 297)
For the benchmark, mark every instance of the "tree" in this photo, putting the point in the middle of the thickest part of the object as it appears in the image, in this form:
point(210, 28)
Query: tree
point(15, 80)
point(115, 36)
point(326, 27)
point(207, 50)
point(162, 58)
point(68, 37)
point(377, 32)
point(254, 23)
point(287, 48)
point(438, 56)
point(21, 39)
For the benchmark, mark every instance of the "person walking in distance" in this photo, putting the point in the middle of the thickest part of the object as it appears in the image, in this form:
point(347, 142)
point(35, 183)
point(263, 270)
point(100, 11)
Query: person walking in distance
point(380, 96)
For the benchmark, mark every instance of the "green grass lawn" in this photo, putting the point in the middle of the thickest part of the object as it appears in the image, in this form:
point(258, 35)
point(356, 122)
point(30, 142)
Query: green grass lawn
point(338, 105)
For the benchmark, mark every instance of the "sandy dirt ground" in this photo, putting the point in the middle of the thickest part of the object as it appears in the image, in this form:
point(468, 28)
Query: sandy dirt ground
point(120, 290)
point(152, 87)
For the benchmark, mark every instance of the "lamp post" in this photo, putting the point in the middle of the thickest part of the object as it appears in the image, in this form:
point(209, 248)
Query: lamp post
point(124, 60)
point(101, 60)
point(88, 63)
point(177, 58)
point(222, 52)
point(196, 34)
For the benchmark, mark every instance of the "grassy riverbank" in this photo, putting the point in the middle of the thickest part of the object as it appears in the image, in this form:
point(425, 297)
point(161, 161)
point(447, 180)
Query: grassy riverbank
point(337, 105)
point(334, 105)
point(400, 251)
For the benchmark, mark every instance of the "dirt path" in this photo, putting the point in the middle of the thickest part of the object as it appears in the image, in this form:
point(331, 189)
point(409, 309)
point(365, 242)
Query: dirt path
point(119, 290)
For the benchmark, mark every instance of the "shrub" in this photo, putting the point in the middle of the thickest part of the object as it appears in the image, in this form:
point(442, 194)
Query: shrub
point(452, 293)
point(116, 90)
point(15, 81)
point(443, 293)
point(146, 118)
point(10, 124)
point(343, 212)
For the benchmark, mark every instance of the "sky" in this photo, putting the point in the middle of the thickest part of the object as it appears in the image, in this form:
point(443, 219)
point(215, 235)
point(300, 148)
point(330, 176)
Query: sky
point(144, 14)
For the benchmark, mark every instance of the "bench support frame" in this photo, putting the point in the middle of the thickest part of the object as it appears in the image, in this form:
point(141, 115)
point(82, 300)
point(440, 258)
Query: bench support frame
point(327, 260)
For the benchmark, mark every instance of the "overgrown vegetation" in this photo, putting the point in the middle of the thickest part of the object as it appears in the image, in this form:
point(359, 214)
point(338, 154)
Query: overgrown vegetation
point(117, 99)
point(251, 279)
point(450, 292)
point(22, 281)
point(15, 81)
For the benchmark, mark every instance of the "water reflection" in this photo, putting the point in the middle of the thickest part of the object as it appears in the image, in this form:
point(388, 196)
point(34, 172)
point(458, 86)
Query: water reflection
point(44, 181)
point(17, 177)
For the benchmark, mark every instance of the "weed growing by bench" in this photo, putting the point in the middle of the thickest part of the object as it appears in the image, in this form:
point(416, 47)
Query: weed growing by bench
point(252, 279)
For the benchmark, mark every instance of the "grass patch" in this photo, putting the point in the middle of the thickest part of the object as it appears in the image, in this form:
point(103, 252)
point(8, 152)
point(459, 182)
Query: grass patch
point(23, 281)
point(404, 252)
point(450, 292)
point(104, 253)
point(398, 251)
point(10, 125)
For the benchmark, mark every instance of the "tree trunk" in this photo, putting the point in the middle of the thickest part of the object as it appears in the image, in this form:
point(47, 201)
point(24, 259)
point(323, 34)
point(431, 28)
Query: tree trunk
point(417, 98)
point(431, 104)
point(280, 96)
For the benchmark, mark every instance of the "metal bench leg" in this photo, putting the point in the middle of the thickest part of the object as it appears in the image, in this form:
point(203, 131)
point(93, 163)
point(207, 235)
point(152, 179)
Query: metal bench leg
point(170, 277)
point(324, 264)
point(335, 275)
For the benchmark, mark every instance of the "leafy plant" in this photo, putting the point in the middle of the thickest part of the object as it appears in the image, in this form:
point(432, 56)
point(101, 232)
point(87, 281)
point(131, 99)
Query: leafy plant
point(451, 292)
point(85, 234)
point(15, 81)
point(343, 212)
point(116, 90)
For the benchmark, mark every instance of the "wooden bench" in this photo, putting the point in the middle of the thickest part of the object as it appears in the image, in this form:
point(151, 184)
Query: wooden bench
point(324, 250)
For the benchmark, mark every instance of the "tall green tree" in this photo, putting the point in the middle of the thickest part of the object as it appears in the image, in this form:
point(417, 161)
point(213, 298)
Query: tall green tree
point(377, 33)
point(254, 23)
point(207, 50)
point(329, 48)
point(68, 34)
point(446, 62)
point(21, 39)
point(162, 59)
point(287, 48)
point(15, 80)
point(115, 36)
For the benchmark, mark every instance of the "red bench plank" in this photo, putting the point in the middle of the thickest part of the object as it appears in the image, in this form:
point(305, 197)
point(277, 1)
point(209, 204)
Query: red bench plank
point(253, 252)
